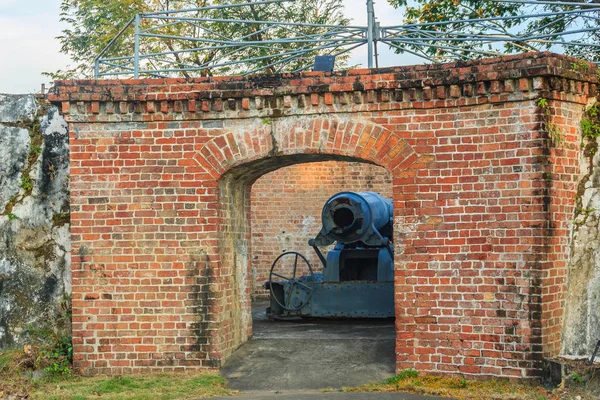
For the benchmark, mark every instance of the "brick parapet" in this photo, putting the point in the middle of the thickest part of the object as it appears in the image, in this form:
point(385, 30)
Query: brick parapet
point(510, 78)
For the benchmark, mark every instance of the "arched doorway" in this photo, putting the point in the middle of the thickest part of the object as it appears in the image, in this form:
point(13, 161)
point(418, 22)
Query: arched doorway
point(285, 211)
point(245, 157)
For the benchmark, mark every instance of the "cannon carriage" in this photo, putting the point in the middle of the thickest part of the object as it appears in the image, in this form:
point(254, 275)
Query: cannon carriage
point(358, 273)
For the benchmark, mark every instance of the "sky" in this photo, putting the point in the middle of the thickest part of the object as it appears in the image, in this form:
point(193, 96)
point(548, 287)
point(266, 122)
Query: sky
point(28, 44)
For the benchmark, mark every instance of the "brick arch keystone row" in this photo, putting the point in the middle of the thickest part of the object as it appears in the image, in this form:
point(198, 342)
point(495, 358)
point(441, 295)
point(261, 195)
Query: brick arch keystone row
point(354, 138)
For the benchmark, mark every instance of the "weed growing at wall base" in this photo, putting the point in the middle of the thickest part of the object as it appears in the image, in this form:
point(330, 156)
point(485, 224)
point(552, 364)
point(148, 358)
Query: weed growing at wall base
point(54, 354)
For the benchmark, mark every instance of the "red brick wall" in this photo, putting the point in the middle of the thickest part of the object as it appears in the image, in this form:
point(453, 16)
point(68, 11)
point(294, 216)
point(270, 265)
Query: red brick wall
point(161, 205)
point(287, 204)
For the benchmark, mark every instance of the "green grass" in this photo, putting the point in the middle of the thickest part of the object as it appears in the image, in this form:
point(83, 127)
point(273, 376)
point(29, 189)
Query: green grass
point(6, 358)
point(137, 387)
point(181, 386)
point(160, 387)
point(412, 381)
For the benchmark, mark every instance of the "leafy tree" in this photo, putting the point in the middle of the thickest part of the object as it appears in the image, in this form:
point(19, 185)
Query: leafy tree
point(458, 30)
point(94, 23)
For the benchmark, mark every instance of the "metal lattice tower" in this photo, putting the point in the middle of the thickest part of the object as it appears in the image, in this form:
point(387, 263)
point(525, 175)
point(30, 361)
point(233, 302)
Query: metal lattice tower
point(191, 41)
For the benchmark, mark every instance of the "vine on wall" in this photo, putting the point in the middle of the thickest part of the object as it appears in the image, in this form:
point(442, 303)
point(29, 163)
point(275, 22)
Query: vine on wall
point(590, 132)
point(548, 126)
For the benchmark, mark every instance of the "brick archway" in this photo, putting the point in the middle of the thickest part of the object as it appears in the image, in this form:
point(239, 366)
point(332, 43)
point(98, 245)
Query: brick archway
point(160, 170)
point(239, 157)
point(323, 137)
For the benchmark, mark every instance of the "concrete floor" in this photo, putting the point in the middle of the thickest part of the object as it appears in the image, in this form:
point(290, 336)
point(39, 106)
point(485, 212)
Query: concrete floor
point(311, 354)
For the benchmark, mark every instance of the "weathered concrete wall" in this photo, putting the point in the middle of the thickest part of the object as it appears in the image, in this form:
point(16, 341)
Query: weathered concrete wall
point(286, 208)
point(581, 328)
point(35, 268)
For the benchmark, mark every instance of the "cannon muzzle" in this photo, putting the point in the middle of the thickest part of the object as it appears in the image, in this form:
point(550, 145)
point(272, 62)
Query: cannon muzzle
point(350, 217)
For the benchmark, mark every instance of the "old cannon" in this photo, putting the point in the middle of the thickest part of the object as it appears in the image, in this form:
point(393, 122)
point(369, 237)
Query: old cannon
point(358, 273)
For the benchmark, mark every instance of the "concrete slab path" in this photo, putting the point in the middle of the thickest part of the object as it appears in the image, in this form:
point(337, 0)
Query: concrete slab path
point(311, 354)
point(297, 359)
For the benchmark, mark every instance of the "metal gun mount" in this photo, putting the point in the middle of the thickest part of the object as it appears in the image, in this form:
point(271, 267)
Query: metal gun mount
point(358, 273)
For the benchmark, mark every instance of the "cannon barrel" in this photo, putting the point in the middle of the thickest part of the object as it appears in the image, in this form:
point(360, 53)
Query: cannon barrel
point(350, 217)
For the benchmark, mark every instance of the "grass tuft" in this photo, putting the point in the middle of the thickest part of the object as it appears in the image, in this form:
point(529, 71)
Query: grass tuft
point(458, 388)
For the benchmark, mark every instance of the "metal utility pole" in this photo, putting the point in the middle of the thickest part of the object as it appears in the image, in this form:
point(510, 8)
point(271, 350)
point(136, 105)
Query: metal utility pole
point(370, 32)
point(136, 55)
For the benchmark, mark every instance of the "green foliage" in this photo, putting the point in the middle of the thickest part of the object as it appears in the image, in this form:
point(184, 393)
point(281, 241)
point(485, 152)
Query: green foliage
point(590, 124)
point(60, 357)
point(590, 132)
point(462, 384)
point(36, 127)
point(576, 377)
point(66, 307)
point(405, 374)
point(586, 211)
point(26, 183)
point(11, 216)
point(36, 149)
point(55, 352)
point(92, 24)
point(542, 103)
point(548, 125)
point(580, 65)
point(422, 11)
